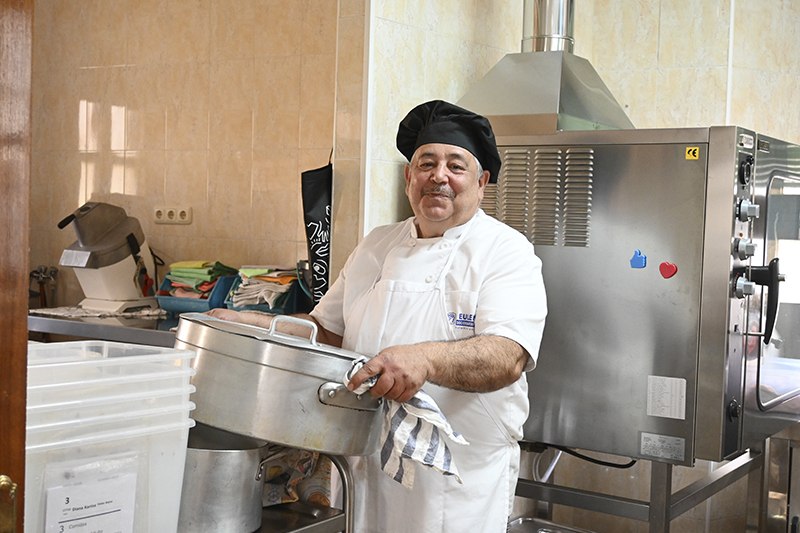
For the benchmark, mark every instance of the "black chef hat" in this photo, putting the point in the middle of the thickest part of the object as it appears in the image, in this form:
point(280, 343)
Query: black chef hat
point(438, 121)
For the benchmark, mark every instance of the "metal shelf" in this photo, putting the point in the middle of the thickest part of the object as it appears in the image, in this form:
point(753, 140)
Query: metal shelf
point(301, 517)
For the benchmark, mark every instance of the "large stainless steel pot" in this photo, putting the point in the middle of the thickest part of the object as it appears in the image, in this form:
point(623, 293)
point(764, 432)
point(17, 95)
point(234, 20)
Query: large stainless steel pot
point(223, 482)
point(280, 388)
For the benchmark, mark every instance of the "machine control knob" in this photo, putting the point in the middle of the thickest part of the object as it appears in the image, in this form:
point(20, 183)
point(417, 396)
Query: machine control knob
point(744, 248)
point(743, 287)
point(746, 210)
point(746, 170)
point(734, 410)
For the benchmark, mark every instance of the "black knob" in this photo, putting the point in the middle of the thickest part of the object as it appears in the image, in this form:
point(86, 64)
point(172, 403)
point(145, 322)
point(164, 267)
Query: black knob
point(746, 170)
point(734, 410)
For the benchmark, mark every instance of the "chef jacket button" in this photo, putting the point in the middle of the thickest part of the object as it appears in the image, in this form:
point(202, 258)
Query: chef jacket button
point(444, 245)
point(429, 278)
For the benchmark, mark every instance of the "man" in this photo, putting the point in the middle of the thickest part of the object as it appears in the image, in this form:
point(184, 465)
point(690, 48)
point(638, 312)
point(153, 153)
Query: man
point(450, 300)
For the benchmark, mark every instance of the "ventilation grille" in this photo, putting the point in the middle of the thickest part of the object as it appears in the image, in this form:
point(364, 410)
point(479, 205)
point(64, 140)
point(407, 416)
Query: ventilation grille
point(544, 193)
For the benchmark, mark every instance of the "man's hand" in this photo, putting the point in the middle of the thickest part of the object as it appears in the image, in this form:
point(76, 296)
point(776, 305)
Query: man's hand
point(403, 371)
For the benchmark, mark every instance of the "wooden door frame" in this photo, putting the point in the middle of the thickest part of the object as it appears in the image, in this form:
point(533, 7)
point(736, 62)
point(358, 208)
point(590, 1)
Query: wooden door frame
point(16, 43)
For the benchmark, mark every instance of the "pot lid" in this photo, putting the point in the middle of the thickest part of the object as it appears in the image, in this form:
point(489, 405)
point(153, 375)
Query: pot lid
point(257, 345)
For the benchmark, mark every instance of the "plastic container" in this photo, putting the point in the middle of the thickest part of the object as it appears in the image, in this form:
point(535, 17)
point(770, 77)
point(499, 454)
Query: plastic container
point(157, 454)
point(78, 429)
point(107, 423)
point(116, 404)
point(84, 371)
point(83, 361)
point(190, 305)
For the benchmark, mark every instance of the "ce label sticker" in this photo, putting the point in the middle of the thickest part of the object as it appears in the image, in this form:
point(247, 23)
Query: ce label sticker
point(692, 152)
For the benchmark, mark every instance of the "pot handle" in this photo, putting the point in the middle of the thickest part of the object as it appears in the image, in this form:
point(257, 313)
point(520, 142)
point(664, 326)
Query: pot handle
point(294, 320)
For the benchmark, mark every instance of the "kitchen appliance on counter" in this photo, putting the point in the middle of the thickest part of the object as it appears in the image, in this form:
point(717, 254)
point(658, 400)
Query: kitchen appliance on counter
point(671, 260)
point(111, 258)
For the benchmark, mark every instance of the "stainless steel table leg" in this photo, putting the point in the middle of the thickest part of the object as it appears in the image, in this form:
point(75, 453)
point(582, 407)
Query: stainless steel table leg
point(660, 496)
point(347, 484)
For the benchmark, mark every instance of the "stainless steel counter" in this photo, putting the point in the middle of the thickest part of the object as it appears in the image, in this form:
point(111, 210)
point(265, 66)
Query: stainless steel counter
point(131, 330)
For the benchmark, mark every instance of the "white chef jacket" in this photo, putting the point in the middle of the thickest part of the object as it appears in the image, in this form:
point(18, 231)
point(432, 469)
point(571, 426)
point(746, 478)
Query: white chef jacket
point(478, 278)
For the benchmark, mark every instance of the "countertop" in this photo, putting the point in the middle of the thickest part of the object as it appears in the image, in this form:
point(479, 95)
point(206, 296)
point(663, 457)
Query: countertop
point(152, 332)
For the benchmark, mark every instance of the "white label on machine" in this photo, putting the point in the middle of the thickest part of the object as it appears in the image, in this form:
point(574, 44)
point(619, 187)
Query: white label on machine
point(662, 446)
point(666, 397)
point(105, 505)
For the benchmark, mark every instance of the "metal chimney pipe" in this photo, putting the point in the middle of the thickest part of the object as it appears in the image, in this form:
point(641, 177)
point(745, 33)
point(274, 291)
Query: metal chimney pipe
point(548, 25)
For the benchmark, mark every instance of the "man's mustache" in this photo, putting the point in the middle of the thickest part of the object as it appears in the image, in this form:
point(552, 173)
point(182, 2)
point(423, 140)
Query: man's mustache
point(437, 190)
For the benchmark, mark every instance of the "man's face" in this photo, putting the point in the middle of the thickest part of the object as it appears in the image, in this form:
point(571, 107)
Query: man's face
point(443, 187)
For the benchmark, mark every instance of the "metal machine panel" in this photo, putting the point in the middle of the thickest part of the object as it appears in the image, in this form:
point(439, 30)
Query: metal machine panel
point(643, 237)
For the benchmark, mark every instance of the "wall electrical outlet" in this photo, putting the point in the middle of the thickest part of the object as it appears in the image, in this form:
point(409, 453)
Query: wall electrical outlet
point(172, 215)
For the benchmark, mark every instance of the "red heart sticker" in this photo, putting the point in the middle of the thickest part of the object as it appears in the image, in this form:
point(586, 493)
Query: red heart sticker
point(667, 270)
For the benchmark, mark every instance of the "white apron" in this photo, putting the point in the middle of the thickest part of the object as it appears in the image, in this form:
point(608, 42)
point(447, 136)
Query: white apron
point(396, 311)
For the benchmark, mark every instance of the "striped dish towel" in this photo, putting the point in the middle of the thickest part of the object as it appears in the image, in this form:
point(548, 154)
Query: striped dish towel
point(412, 430)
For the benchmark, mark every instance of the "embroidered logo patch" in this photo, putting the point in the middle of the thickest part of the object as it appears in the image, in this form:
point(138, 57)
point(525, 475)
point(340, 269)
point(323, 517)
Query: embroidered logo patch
point(461, 320)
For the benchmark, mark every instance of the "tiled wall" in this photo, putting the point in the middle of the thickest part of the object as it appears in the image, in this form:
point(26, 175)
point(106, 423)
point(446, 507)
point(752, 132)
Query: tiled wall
point(423, 50)
point(213, 104)
point(676, 63)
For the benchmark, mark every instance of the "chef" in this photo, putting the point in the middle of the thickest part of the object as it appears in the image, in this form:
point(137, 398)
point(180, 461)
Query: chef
point(450, 301)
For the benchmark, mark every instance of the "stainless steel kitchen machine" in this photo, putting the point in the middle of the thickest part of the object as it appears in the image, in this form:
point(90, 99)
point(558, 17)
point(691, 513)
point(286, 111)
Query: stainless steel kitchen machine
point(671, 260)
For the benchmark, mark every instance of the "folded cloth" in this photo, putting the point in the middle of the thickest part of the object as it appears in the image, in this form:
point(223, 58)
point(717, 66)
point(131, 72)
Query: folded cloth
point(411, 430)
point(254, 291)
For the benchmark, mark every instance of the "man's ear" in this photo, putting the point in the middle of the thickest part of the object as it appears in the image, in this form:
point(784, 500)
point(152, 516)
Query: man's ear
point(483, 179)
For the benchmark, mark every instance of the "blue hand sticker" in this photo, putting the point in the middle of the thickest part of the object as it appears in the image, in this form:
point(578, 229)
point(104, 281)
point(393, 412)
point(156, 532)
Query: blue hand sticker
point(638, 260)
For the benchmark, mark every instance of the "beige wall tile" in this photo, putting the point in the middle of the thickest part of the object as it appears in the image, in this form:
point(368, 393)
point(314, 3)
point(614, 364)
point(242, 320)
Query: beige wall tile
point(693, 33)
point(319, 33)
point(276, 170)
point(499, 24)
point(757, 36)
point(350, 87)
point(233, 29)
point(454, 18)
point(409, 12)
point(625, 34)
point(790, 38)
point(755, 96)
point(449, 67)
point(635, 91)
point(229, 195)
point(187, 106)
point(583, 23)
point(348, 8)
point(387, 194)
point(691, 97)
point(277, 97)
point(279, 27)
point(162, 31)
point(232, 105)
point(789, 122)
point(317, 101)
point(57, 120)
point(146, 105)
point(397, 82)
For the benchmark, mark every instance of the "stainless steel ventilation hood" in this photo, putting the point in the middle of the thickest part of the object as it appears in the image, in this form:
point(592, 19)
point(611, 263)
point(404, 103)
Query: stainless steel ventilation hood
point(548, 89)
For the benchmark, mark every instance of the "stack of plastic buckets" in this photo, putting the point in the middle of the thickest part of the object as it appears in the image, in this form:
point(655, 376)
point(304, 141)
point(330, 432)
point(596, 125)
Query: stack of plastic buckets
point(106, 433)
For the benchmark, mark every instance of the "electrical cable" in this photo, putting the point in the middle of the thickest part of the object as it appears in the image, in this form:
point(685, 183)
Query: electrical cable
point(156, 262)
point(544, 477)
point(591, 459)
